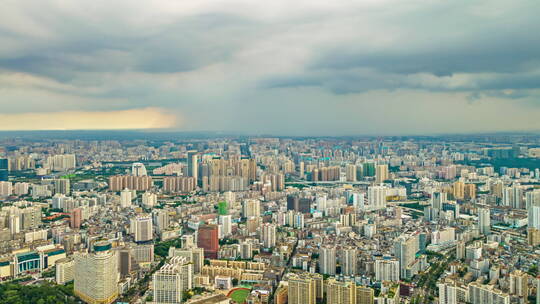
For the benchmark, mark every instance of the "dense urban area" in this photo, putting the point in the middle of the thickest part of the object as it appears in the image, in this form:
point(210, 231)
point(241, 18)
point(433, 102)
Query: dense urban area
point(170, 218)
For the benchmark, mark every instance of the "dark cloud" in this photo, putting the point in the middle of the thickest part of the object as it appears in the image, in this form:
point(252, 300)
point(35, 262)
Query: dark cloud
point(302, 66)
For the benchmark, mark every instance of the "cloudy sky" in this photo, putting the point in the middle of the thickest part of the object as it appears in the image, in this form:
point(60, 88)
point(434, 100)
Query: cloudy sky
point(281, 67)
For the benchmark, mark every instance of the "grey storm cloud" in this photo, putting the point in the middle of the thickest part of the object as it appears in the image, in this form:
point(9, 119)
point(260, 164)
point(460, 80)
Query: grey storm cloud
point(275, 67)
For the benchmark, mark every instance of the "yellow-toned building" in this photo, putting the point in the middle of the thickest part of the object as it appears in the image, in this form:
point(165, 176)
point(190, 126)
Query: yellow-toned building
point(338, 292)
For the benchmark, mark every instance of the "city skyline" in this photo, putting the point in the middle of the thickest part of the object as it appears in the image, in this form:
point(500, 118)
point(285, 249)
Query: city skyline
point(306, 68)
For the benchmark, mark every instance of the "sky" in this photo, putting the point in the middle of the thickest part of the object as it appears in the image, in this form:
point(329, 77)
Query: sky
point(370, 67)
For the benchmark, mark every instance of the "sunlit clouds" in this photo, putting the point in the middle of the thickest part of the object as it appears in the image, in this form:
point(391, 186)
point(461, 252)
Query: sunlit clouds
point(149, 118)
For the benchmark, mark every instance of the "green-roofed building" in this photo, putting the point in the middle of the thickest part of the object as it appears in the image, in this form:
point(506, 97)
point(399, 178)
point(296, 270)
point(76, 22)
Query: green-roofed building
point(223, 208)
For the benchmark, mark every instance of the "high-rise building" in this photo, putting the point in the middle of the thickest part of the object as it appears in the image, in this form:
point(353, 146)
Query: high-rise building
point(486, 294)
point(171, 280)
point(4, 167)
point(138, 183)
point(125, 198)
point(61, 162)
point(302, 289)
point(268, 235)
point(348, 260)
point(438, 199)
point(142, 229)
point(64, 270)
point(405, 249)
point(194, 254)
point(193, 165)
point(75, 218)
point(534, 217)
point(225, 223)
point(138, 169)
point(381, 173)
point(6, 189)
point(469, 191)
point(460, 250)
point(161, 219)
point(519, 284)
point(458, 190)
point(451, 292)
point(377, 197)
point(246, 250)
point(537, 290)
point(369, 169)
point(350, 172)
point(62, 186)
point(484, 221)
point(364, 295)
point(149, 199)
point(96, 275)
point(207, 238)
point(340, 292)
point(327, 260)
point(251, 207)
point(299, 204)
point(387, 269)
point(176, 184)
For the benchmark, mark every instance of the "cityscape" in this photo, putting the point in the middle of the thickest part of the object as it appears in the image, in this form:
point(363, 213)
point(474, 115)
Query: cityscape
point(269, 152)
point(137, 218)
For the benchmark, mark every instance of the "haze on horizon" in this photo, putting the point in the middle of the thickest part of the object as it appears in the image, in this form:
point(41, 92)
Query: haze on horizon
point(280, 67)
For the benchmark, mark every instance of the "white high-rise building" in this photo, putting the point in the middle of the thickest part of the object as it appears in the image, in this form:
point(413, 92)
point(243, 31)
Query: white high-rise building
point(377, 197)
point(61, 162)
point(171, 280)
point(251, 207)
point(96, 274)
point(142, 229)
point(534, 217)
point(149, 199)
point(161, 219)
point(486, 294)
point(532, 198)
point(21, 188)
point(125, 198)
point(6, 189)
point(193, 167)
point(327, 260)
point(225, 222)
point(64, 270)
point(450, 292)
point(268, 235)
point(405, 248)
point(387, 269)
point(484, 221)
point(138, 169)
point(348, 260)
